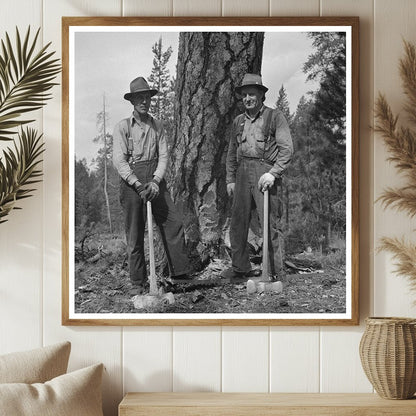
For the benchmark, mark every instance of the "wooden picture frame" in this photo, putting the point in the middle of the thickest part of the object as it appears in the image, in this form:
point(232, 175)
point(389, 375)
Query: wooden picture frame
point(92, 65)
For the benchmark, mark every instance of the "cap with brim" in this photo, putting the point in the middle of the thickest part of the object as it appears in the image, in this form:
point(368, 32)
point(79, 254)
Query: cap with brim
point(251, 80)
point(138, 86)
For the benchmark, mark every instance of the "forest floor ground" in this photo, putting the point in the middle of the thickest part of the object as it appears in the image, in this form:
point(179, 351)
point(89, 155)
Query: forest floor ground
point(102, 285)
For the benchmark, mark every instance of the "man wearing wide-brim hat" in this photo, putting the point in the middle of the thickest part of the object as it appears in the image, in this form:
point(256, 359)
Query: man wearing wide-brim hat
point(259, 152)
point(140, 155)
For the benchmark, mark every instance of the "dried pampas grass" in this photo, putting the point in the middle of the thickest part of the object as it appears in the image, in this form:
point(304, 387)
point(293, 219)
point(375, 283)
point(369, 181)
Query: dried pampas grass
point(401, 143)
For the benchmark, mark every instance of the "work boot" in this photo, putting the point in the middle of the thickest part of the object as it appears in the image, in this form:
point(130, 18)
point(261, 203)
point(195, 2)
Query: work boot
point(233, 276)
point(137, 288)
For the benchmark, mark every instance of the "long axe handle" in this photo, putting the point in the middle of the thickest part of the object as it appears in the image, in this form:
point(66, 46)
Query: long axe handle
point(265, 272)
point(152, 278)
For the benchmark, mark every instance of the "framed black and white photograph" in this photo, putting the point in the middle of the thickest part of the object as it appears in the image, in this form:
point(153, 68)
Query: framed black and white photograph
point(210, 171)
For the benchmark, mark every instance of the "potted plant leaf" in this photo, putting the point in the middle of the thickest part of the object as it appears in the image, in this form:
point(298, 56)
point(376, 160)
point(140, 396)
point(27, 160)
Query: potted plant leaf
point(26, 78)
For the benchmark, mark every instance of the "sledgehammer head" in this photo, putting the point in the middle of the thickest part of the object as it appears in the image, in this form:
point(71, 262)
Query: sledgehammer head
point(146, 301)
point(263, 287)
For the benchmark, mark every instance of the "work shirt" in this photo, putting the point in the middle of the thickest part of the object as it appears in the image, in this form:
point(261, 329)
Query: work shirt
point(138, 140)
point(249, 139)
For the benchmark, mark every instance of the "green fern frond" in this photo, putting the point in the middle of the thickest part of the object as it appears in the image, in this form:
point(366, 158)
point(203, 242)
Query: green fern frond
point(25, 80)
point(19, 169)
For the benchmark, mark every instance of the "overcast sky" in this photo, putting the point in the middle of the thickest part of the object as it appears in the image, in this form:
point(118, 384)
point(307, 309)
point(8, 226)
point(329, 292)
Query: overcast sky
point(106, 62)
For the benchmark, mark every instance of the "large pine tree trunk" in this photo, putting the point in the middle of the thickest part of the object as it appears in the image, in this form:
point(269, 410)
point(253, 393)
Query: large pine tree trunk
point(210, 66)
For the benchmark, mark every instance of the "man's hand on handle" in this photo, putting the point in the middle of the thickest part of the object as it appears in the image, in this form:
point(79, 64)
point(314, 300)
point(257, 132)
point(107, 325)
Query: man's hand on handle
point(266, 181)
point(139, 188)
point(147, 192)
point(152, 190)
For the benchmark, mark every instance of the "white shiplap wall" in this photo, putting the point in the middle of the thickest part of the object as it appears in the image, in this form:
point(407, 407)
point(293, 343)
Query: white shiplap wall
point(245, 359)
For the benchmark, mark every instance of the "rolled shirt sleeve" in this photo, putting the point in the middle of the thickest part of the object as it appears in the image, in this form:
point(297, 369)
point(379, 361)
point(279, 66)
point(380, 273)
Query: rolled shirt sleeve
point(163, 156)
point(284, 146)
point(121, 153)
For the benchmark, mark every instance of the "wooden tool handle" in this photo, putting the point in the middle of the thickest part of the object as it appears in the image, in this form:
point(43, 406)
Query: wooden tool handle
point(152, 278)
point(265, 272)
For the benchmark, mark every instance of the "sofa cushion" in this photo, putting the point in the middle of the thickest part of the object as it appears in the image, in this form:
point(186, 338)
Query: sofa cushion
point(73, 394)
point(35, 366)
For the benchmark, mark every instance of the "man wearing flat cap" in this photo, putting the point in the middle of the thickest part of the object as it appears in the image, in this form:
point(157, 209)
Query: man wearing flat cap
point(140, 155)
point(259, 152)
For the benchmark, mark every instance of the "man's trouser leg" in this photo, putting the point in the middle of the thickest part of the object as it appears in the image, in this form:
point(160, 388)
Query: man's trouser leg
point(276, 241)
point(134, 222)
point(172, 232)
point(166, 218)
point(240, 220)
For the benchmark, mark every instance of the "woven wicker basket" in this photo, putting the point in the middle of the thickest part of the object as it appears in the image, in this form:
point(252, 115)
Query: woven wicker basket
point(388, 356)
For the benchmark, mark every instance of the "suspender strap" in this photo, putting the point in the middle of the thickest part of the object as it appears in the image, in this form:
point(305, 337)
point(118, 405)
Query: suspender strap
point(266, 128)
point(155, 126)
point(129, 140)
point(267, 123)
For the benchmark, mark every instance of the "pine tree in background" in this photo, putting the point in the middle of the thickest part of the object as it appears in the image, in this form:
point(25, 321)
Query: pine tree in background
point(328, 66)
point(321, 137)
point(163, 103)
point(299, 227)
point(282, 104)
point(329, 48)
point(107, 141)
point(106, 177)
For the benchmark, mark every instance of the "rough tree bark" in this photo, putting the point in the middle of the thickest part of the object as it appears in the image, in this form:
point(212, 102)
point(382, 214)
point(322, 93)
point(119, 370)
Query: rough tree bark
point(210, 66)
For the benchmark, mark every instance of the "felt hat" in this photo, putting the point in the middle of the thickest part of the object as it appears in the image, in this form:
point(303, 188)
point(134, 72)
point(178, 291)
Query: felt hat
point(251, 80)
point(137, 86)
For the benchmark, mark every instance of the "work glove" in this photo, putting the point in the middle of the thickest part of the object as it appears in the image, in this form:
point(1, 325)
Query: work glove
point(152, 190)
point(139, 188)
point(266, 181)
point(230, 189)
